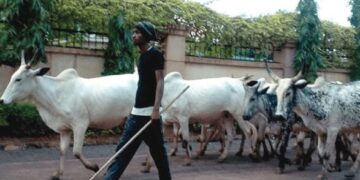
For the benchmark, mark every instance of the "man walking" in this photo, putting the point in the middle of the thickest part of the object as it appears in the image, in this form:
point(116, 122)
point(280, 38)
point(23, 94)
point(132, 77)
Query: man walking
point(147, 107)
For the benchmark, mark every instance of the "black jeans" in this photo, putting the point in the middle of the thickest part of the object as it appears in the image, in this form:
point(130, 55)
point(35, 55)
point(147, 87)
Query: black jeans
point(152, 136)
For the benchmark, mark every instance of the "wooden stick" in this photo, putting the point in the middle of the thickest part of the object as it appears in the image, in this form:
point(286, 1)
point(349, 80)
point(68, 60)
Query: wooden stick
point(136, 135)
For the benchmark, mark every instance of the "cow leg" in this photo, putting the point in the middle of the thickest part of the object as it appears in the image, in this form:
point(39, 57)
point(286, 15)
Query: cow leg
point(176, 131)
point(266, 155)
point(222, 142)
point(272, 149)
point(184, 129)
point(353, 170)
point(228, 123)
point(330, 150)
point(339, 149)
point(261, 136)
point(321, 151)
point(242, 143)
point(65, 138)
point(256, 155)
point(79, 136)
point(300, 153)
point(203, 139)
point(311, 149)
point(347, 142)
point(285, 134)
point(219, 133)
point(208, 136)
point(250, 132)
point(147, 164)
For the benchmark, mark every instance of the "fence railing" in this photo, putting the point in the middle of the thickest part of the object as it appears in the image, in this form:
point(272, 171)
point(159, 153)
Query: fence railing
point(240, 53)
point(78, 39)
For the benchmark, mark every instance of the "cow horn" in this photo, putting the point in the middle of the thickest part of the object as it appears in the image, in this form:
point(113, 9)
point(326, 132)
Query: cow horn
point(271, 74)
point(246, 77)
point(22, 57)
point(300, 74)
point(29, 64)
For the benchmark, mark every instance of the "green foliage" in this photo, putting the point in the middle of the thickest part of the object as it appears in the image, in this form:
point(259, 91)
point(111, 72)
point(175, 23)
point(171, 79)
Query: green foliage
point(338, 45)
point(309, 39)
point(119, 54)
point(25, 27)
point(266, 32)
point(22, 120)
point(3, 121)
point(355, 22)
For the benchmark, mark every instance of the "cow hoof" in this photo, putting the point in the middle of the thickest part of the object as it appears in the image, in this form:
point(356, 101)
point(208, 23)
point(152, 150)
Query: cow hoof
point(280, 170)
point(145, 170)
point(55, 178)
point(288, 162)
point(322, 177)
point(239, 154)
point(220, 160)
point(350, 174)
point(308, 160)
point(301, 168)
point(94, 168)
point(266, 158)
point(173, 152)
point(197, 156)
point(254, 158)
point(201, 153)
point(333, 169)
point(187, 162)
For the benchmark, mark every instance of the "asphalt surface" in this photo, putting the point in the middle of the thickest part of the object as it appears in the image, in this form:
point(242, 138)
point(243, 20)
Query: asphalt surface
point(40, 164)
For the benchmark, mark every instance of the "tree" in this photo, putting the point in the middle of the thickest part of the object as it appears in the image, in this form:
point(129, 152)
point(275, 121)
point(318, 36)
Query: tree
point(309, 39)
point(338, 45)
point(205, 26)
point(25, 27)
point(355, 22)
point(119, 54)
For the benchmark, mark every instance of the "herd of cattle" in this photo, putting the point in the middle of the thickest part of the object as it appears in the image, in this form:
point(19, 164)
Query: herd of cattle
point(327, 112)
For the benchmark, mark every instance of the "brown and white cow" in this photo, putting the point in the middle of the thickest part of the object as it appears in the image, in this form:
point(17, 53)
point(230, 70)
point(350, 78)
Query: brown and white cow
point(257, 101)
point(326, 110)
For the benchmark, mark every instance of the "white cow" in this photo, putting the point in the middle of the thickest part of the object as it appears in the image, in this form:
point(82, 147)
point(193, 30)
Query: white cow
point(68, 103)
point(207, 101)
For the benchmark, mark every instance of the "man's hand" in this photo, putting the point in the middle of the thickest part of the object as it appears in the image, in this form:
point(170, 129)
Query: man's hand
point(155, 115)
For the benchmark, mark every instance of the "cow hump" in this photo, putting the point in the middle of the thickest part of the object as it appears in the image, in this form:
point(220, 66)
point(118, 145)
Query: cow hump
point(68, 74)
point(173, 76)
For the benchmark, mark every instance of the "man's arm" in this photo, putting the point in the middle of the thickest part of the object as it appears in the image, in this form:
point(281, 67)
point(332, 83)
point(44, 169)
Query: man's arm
point(159, 93)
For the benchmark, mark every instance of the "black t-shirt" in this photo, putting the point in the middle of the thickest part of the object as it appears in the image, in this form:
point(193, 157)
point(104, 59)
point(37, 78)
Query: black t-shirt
point(149, 62)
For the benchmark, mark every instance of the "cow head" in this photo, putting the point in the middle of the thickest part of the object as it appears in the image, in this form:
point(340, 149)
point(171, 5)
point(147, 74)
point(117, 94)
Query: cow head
point(285, 91)
point(253, 91)
point(22, 82)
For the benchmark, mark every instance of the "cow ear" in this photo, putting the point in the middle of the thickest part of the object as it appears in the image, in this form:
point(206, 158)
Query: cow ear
point(263, 90)
point(301, 83)
point(268, 88)
point(41, 71)
point(252, 83)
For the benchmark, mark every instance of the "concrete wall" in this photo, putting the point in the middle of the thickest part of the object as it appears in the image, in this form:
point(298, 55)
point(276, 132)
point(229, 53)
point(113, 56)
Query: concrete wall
point(89, 63)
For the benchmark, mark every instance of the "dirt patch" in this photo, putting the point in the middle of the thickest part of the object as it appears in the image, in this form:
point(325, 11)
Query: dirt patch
point(14, 143)
point(10, 143)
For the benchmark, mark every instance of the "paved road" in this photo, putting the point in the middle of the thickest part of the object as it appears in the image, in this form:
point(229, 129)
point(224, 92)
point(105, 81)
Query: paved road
point(39, 164)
